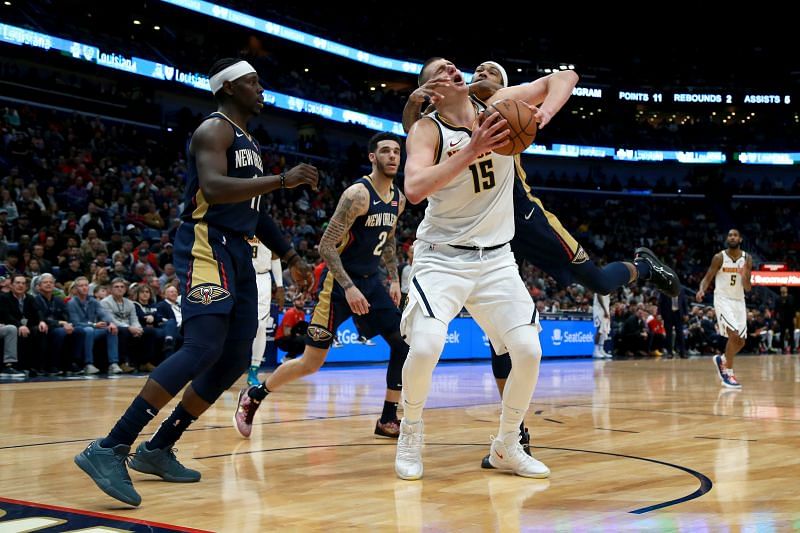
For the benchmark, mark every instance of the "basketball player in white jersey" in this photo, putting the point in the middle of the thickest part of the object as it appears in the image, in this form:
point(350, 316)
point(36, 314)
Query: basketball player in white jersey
point(263, 264)
point(730, 269)
point(602, 322)
point(462, 257)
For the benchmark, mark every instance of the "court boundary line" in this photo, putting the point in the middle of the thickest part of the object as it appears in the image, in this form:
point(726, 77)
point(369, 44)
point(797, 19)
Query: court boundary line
point(95, 514)
point(705, 482)
point(312, 418)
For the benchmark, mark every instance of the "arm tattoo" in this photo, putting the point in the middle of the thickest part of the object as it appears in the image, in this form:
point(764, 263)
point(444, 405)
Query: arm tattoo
point(389, 256)
point(353, 204)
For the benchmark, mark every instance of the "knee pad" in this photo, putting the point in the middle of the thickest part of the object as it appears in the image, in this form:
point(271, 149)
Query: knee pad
point(501, 365)
point(398, 352)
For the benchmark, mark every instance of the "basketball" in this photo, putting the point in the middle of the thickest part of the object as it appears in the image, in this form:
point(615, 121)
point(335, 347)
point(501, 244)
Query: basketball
point(520, 122)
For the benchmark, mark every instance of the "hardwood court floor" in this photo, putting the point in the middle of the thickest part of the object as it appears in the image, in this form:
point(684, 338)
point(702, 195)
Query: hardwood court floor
point(631, 445)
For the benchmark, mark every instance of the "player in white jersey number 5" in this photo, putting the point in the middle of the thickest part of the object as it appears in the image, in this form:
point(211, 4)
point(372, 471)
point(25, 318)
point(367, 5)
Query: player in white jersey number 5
point(462, 257)
point(730, 269)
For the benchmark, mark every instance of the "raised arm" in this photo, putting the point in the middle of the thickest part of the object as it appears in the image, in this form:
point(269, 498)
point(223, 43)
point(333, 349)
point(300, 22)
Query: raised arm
point(209, 145)
point(412, 111)
point(413, 107)
point(551, 91)
point(353, 204)
point(484, 89)
point(716, 264)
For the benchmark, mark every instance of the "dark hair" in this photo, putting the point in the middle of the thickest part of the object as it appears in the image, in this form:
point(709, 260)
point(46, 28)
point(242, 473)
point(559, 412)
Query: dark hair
point(422, 77)
point(372, 146)
point(141, 288)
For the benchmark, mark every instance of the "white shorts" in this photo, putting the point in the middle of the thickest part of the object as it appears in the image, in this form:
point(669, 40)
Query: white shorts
point(602, 324)
point(446, 279)
point(731, 314)
point(264, 285)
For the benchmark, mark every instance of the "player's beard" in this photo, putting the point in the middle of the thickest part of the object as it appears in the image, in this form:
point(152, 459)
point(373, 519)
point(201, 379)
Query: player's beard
point(733, 246)
point(382, 169)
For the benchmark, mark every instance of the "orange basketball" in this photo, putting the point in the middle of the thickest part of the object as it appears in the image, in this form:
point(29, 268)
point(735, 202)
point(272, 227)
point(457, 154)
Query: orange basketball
point(521, 123)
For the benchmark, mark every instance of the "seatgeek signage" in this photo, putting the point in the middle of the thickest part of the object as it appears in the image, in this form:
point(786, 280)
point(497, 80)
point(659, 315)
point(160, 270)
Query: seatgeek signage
point(570, 337)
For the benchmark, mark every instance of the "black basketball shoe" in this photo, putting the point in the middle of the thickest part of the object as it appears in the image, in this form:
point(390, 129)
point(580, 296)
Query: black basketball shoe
point(662, 276)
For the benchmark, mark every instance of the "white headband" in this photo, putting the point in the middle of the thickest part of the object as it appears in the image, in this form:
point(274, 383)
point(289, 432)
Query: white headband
point(231, 73)
point(499, 67)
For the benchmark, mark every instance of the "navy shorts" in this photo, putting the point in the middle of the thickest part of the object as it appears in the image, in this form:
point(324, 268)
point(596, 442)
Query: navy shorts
point(215, 269)
point(332, 309)
point(540, 239)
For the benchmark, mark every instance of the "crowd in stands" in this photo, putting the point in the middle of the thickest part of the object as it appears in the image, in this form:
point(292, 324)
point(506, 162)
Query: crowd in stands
point(88, 208)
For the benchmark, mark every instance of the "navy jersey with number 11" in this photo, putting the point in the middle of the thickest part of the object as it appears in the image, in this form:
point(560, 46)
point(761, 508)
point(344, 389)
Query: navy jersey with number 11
point(244, 161)
point(361, 248)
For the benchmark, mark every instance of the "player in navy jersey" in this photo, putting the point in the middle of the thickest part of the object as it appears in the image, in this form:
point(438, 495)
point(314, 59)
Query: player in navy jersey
point(539, 236)
point(217, 282)
point(360, 234)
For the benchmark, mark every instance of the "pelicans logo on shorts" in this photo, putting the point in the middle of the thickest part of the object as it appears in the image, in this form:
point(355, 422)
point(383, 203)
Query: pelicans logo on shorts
point(319, 334)
point(207, 294)
point(580, 256)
